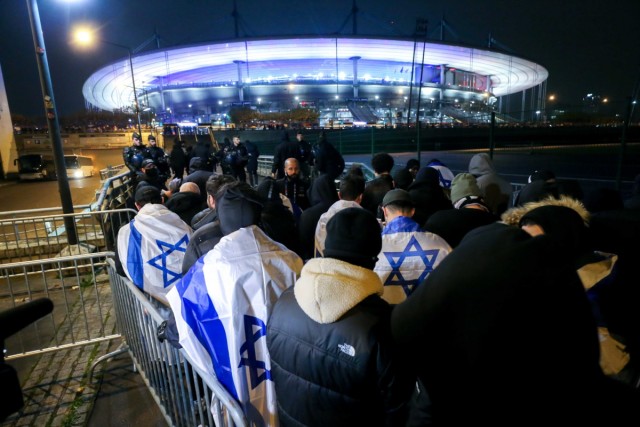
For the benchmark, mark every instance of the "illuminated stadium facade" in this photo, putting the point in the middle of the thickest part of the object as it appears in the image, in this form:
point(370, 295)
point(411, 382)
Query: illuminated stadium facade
point(358, 79)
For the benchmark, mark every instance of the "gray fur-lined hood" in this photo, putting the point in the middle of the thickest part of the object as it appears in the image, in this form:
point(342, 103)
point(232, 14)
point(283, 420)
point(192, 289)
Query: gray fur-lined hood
point(513, 215)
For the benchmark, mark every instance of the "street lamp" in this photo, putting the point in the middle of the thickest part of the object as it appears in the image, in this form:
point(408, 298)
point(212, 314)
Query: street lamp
point(84, 37)
point(52, 120)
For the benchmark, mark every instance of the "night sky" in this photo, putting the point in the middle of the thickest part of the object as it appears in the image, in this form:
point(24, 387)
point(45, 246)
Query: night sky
point(587, 46)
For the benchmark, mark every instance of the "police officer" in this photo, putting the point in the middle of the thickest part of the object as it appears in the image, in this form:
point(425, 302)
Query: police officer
point(159, 157)
point(135, 154)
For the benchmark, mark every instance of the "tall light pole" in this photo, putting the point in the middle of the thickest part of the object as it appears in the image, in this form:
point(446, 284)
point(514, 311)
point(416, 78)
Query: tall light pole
point(52, 120)
point(85, 37)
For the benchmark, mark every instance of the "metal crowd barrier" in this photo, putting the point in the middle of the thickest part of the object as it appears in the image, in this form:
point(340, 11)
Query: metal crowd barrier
point(36, 237)
point(110, 171)
point(186, 396)
point(114, 193)
point(264, 165)
point(79, 288)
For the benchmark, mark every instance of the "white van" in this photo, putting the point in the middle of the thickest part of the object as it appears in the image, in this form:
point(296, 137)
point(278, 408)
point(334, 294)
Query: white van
point(78, 166)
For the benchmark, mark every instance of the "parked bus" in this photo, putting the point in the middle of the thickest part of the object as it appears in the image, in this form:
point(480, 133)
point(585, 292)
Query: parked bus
point(78, 166)
point(35, 166)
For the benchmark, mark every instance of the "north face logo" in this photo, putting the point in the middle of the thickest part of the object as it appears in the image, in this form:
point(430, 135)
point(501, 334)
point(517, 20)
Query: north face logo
point(347, 349)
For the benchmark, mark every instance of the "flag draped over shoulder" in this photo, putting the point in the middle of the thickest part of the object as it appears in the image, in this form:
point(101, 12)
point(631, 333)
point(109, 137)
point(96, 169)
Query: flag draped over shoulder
point(407, 258)
point(222, 306)
point(151, 249)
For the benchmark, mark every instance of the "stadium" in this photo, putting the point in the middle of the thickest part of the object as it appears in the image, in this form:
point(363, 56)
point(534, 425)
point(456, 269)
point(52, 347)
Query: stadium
point(350, 80)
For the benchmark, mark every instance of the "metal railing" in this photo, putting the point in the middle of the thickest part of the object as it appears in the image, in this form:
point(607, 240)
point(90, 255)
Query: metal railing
point(77, 285)
point(186, 395)
point(34, 237)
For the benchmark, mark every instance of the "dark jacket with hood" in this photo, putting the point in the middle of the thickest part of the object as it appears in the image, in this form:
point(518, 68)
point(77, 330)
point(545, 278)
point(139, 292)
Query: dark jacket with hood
point(497, 191)
point(186, 204)
point(350, 376)
point(427, 195)
point(236, 209)
point(199, 174)
point(509, 310)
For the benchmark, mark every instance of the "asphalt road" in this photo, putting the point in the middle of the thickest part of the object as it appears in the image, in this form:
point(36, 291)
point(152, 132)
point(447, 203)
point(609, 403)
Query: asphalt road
point(21, 195)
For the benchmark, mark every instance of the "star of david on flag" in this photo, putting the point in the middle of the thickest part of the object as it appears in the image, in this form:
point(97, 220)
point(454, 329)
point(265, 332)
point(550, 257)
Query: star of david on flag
point(166, 248)
point(396, 260)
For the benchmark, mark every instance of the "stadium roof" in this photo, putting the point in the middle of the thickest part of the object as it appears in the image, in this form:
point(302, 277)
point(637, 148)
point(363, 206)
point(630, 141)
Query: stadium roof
point(386, 58)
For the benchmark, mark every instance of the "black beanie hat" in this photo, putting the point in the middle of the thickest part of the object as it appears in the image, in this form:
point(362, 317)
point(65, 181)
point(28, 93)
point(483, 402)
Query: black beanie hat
point(353, 234)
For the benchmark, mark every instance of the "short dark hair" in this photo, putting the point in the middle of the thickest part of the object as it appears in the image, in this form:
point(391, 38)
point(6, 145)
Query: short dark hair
point(382, 162)
point(146, 193)
point(351, 186)
point(215, 182)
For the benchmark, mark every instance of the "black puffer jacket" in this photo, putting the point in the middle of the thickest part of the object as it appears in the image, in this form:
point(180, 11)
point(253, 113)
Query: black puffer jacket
point(332, 359)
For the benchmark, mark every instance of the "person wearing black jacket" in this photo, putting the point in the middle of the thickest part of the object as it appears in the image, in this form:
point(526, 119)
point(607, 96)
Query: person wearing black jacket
point(333, 362)
point(252, 163)
point(285, 150)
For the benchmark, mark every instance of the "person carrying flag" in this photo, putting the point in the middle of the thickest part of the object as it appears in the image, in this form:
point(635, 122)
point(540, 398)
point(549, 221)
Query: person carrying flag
point(151, 247)
point(224, 301)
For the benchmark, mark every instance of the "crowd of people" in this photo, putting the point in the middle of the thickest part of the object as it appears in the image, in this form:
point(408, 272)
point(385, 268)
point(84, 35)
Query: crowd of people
point(418, 298)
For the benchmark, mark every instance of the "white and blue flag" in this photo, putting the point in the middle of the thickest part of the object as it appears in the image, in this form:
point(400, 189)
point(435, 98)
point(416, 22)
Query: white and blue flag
point(222, 306)
point(151, 249)
point(407, 257)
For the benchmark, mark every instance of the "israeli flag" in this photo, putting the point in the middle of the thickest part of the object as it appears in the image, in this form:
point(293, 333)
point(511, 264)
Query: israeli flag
point(151, 249)
point(407, 257)
point(222, 306)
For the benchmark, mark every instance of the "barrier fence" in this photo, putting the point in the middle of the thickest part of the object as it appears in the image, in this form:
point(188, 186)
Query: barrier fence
point(186, 396)
point(28, 238)
point(77, 285)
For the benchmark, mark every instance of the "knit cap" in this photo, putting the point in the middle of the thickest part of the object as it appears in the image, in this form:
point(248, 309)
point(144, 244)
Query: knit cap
point(464, 189)
point(353, 233)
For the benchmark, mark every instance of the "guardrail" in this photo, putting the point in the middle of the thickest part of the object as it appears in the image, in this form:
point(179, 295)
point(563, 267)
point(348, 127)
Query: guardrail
point(27, 238)
point(77, 285)
point(186, 396)
point(114, 192)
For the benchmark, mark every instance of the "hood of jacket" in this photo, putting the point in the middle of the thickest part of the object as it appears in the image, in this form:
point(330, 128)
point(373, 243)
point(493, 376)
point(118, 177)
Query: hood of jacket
point(328, 288)
point(481, 164)
point(237, 210)
point(323, 189)
point(514, 215)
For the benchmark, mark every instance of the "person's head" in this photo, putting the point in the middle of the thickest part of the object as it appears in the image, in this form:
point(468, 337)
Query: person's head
point(356, 170)
point(152, 140)
point(397, 202)
point(299, 136)
point(413, 166)
point(191, 187)
point(403, 178)
point(351, 188)
point(564, 225)
point(177, 142)
point(174, 185)
point(465, 192)
point(236, 140)
point(226, 141)
point(285, 136)
point(147, 194)
point(291, 167)
point(354, 236)
point(213, 185)
point(238, 206)
point(382, 163)
point(149, 168)
point(197, 164)
point(136, 138)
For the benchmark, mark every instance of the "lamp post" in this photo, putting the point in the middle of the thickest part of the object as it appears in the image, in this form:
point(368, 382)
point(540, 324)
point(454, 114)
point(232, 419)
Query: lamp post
point(52, 120)
point(84, 37)
point(133, 82)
